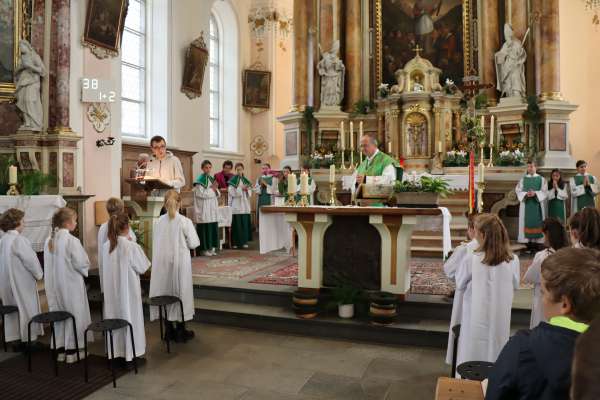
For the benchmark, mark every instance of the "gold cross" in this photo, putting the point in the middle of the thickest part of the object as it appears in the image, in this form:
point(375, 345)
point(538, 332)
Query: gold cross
point(418, 50)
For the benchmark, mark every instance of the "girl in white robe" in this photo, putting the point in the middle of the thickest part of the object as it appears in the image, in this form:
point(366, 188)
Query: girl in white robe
point(489, 278)
point(66, 264)
point(240, 190)
point(174, 237)
point(19, 271)
point(124, 261)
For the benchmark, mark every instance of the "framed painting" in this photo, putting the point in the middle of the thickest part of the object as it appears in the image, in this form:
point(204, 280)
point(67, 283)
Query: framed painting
point(257, 89)
point(11, 23)
point(196, 59)
point(104, 24)
point(442, 28)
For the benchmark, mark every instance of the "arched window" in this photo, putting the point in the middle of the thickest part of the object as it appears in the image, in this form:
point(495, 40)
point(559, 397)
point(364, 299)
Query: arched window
point(214, 63)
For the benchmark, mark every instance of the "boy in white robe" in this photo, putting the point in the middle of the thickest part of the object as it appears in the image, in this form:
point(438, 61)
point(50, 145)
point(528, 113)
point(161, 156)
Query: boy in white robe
point(124, 261)
point(66, 264)
point(240, 190)
point(584, 188)
point(19, 271)
point(206, 208)
point(531, 192)
point(175, 235)
point(487, 303)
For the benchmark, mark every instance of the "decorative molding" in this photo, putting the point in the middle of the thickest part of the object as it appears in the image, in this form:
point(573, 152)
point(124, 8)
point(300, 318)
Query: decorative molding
point(99, 52)
point(259, 146)
point(99, 115)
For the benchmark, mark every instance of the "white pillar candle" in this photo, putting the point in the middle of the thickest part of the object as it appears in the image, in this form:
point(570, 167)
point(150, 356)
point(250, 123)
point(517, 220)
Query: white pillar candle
point(332, 173)
point(483, 121)
point(12, 174)
point(292, 184)
point(351, 136)
point(390, 147)
point(342, 135)
point(360, 129)
point(439, 147)
point(304, 183)
point(492, 131)
point(481, 173)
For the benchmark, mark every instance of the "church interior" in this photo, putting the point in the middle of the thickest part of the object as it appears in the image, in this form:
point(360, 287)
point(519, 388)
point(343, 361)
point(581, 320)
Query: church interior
point(299, 199)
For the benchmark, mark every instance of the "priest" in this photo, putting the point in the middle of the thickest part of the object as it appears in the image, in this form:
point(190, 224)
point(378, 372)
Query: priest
point(531, 192)
point(376, 163)
point(584, 188)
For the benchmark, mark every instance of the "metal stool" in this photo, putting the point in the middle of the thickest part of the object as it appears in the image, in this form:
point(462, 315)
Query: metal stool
point(5, 310)
point(475, 370)
point(51, 318)
point(109, 325)
point(456, 332)
point(162, 302)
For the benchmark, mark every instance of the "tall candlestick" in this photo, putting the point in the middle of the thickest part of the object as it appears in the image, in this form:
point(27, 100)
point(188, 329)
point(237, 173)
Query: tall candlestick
point(360, 129)
point(304, 183)
point(292, 184)
point(351, 136)
point(492, 131)
point(12, 175)
point(332, 173)
point(342, 136)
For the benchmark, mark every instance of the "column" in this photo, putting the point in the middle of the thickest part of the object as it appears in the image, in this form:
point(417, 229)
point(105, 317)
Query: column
point(536, 9)
point(550, 51)
point(490, 44)
point(518, 16)
point(301, 14)
point(353, 52)
point(392, 123)
point(58, 118)
point(326, 31)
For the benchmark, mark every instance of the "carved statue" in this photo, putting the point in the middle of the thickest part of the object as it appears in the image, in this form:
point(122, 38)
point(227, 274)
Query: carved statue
point(332, 72)
point(28, 76)
point(510, 66)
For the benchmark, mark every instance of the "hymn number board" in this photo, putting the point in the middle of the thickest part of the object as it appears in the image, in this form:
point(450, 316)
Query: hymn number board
point(95, 90)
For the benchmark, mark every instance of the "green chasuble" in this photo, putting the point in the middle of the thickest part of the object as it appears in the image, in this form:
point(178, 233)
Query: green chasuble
point(204, 180)
point(533, 208)
point(586, 199)
point(207, 233)
point(556, 208)
point(282, 188)
point(264, 198)
point(377, 165)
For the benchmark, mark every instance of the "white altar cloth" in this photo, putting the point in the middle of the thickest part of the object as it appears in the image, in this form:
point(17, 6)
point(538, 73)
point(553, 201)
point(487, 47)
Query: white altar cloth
point(274, 232)
point(38, 215)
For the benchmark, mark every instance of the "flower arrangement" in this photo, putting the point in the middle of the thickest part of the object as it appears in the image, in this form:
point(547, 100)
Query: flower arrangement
point(424, 183)
point(475, 132)
point(383, 90)
point(456, 158)
point(321, 158)
point(450, 87)
point(511, 158)
point(362, 107)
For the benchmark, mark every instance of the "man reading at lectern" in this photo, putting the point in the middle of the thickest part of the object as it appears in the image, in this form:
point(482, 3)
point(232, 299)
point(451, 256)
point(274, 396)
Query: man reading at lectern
point(376, 162)
point(164, 165)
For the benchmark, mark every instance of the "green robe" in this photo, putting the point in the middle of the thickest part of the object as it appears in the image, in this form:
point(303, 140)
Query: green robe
point(377, 165)
point(264, 198)
point(586, 199)
point(556, 205)
point(241, 224)
point(534, 217)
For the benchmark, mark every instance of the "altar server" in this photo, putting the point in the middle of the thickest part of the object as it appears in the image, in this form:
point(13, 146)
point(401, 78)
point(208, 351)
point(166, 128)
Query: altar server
point(206, 205)
point(113, 206)
point(584, 188)
point(19, 271)
point(174, 237)
point(531, 192)
point(456, 260)
point(265, 188)
point(492, 272)
point(312, 186)
point(240, 190)
point(282, 187)
point(557, 196)
point(65, 265)
point(555, 238)
point(124, 262)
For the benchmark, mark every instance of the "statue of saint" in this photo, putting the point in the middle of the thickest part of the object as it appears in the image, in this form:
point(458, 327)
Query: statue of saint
point(28, 76)
point(510, 66)
point(332, 72)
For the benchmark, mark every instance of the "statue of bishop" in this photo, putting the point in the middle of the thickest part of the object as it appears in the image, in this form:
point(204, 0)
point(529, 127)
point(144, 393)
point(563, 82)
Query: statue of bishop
point(332, 72)
point(510, 66)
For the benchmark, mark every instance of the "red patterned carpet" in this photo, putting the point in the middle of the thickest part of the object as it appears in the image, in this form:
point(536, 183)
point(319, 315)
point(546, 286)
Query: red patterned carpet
point(238, 264)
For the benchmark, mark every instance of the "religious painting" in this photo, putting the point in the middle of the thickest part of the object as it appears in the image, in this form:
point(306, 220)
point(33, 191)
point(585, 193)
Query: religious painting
point(196, 59)
point(257, 89)
point(10, 32)
point(104, 24)
point(441, 28)
point(417, 136)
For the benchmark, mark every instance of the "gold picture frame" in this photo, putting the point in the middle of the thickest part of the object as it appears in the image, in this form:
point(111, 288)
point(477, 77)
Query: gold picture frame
point(16, 8)
point(257, 89)
point(104, 24)
point(468, 44)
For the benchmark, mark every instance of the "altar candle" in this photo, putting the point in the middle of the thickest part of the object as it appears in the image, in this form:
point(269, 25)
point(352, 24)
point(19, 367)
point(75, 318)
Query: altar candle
point(351, 136)
point(12, 174)
point(492, 131)
point(342, 135)
point(390, 147)
point(483, 121)
point(481, 173)
point(304, 183)
point(292, 184)
point(360, 129)
point(439, 147)
point(332, 173)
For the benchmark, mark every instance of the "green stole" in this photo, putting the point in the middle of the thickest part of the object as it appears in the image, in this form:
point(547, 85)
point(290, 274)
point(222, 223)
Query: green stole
point(264, 198)
point(204, 180)
point(298, 196)
point(586, 199)
point(235, 181)
point(556, 209)
point(533, 209)
point(377, 165)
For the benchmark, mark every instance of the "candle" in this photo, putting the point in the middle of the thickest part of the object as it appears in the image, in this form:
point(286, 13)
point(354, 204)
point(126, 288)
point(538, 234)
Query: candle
point(292, 184)
point(481, 173)
point(351, 136)
point(360, 129)
point(439, 147)
point(12, 175)
point(343, 135)
point(304, 183)
point(390, 147)
point(482, 121)
point(332, 173)
point(492, 131)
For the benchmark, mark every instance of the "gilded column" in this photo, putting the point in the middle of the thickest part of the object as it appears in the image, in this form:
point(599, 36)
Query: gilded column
point(391, 118)
point(301, 14)
point(550, 52)
point(353, 52)
point(489, 45)
point(58, 117)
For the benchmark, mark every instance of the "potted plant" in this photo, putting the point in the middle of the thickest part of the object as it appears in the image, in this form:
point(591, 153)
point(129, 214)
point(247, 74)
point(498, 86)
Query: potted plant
point(35, 182)
point(345, 296)
point(421, 192)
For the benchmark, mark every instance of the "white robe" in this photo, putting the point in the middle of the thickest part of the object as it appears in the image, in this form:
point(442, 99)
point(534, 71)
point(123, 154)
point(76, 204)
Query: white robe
point(123, 294)
point(522, 195)
point(19, 271)
point(577, 191)
point(487, 306)
point(239, 200)
point(206, 205)
point(65, 267)
point(103, 238)
point(534, 276)
point(558, 193)
point(451, 266)
point(172, 265)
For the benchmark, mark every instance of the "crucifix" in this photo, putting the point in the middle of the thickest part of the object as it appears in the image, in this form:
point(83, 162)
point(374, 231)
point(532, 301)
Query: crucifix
point(418, 50)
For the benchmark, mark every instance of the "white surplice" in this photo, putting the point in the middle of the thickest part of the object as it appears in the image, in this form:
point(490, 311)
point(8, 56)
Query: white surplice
point(19, 271)
point(123, 294)
point(65, 267)
point(206, 205)
point(172, 265)
point(534, 276)
point(455, 262)
point(103, 238)
point(239, 199)
point(522, 196)
point(578, 190)
point(487, 305)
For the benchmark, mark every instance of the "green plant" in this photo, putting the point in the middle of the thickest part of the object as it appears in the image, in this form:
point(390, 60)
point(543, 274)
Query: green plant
point(308, 117)
point(456, 158)
point(481, 101)
point(533, 115)
point(362, 107)
point(35, 182)
point(136, 227)
point(471, 125)
point(424, 184)
point(346, 293)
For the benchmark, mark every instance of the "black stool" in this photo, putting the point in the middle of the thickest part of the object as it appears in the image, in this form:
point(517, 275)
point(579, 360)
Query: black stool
point(51, 318)
point(475, 370)
point(109, 325)
point(162, 302)
point(456, 333)
point(5, 310)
